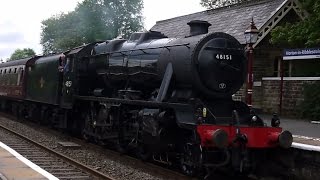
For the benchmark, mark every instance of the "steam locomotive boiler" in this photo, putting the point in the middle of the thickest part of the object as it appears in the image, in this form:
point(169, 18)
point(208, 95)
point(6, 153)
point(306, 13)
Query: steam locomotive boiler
point(211, 66)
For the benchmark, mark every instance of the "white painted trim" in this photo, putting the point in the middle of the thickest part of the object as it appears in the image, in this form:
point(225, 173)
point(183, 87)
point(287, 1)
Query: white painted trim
point(315, 122)
point(306, 137)
point(291, 78)
point(277, 15)
point(305, 147)
point(268, 25)
point(28, 163)
point(301, 57)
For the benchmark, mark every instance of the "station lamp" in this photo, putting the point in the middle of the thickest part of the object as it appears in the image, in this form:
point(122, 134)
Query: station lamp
point(251, 36)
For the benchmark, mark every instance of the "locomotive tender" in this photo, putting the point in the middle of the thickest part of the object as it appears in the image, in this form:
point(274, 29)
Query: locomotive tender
point(168, 99)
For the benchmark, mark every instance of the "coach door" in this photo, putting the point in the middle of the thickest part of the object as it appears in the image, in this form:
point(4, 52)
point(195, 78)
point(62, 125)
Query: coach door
point(66, 69)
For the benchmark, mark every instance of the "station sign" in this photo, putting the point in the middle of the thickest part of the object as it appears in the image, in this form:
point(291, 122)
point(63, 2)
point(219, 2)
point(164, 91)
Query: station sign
point(308, 53)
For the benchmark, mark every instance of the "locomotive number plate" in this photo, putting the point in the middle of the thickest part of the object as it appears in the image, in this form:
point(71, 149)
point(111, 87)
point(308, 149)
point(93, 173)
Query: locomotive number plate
point(68, 83)
point(224, 56)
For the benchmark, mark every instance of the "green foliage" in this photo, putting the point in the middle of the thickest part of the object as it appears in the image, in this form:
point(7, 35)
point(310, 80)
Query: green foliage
point(22, 53)
point(310, 106)
point(60, 32)
point(212, 4)
point(303, 33)
point(91, 21)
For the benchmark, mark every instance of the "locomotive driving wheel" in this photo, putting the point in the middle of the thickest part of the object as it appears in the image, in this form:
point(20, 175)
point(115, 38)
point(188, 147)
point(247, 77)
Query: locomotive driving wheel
point(87, 130)
point(143, 152)
point(189, 159)
point(85, 136)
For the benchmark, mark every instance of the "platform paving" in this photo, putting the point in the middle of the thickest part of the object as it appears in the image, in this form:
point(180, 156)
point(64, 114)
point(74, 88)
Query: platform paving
point(11, 167)
point(299, 127)
point(15, 166)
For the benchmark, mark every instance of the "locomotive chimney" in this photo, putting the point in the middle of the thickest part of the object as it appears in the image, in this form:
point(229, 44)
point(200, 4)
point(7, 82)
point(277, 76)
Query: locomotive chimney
point(198, 27)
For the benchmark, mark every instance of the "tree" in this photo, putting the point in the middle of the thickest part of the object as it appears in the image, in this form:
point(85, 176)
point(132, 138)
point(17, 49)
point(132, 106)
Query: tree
point(212, 4)
point(60, 33)
point(22, 53)
point(92, 20)
point(303, 33)
point(124, 16)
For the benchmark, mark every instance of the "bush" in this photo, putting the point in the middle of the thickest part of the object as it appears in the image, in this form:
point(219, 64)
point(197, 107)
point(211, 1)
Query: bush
point(310, 106)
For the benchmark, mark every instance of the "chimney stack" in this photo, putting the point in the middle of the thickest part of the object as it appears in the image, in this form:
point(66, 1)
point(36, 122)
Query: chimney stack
point(198, 27)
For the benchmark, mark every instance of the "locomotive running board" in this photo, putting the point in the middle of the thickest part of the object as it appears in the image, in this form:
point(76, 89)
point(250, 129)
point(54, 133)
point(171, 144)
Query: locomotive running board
point(133, 102)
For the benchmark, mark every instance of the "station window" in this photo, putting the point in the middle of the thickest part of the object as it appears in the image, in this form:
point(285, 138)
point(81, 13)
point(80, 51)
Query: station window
point(277, 67)
point(305, 68)
point(298, 68)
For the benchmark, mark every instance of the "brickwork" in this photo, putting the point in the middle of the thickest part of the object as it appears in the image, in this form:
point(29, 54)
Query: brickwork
point(265, 55)
point(292, 96)
point(263, 66)
point(240, 94)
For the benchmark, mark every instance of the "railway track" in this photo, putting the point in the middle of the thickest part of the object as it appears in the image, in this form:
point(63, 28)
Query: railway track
point(151, 168)
point(70, 169)
point(53, 162)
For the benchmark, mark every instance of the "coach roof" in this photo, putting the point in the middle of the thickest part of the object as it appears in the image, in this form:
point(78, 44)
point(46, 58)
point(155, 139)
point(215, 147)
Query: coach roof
point(16, 62)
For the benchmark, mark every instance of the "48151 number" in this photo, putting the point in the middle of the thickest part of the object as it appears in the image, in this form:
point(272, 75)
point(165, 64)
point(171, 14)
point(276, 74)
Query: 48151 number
point(224, 56)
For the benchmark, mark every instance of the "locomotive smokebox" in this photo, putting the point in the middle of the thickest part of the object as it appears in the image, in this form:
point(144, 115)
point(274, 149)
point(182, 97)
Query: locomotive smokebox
point(198, 27)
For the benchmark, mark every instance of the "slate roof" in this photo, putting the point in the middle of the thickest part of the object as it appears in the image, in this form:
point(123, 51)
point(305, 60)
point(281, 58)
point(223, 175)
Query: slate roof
point(233, 20)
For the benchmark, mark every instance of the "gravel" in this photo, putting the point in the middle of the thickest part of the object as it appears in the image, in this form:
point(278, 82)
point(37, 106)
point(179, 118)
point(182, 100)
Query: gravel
point(107, 163)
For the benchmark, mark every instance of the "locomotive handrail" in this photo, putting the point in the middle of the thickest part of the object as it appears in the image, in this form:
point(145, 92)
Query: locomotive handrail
point(143, 49)
point(133, 102)
point(215, 48)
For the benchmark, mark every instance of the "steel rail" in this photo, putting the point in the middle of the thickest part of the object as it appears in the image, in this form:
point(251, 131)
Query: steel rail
point(83, 167)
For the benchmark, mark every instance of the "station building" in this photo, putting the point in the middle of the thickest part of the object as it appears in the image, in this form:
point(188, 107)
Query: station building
point(267, 14)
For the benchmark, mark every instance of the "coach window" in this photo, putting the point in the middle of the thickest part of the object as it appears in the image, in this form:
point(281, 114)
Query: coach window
point(15, 70)
point(5, 71)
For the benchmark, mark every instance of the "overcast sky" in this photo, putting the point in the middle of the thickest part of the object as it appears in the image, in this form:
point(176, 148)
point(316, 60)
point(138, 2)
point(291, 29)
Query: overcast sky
point(20, 20)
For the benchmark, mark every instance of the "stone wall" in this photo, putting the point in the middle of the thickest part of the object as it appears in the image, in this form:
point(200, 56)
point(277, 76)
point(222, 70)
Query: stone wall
point(263, 66)
point(292, 94)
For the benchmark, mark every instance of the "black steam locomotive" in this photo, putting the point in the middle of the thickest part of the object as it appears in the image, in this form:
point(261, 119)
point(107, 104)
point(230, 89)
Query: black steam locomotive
point(168, 99)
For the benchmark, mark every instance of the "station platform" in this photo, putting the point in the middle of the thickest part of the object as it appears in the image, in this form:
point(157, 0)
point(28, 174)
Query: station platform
point(15, 166)
point(306, 133)
point(298, 127)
